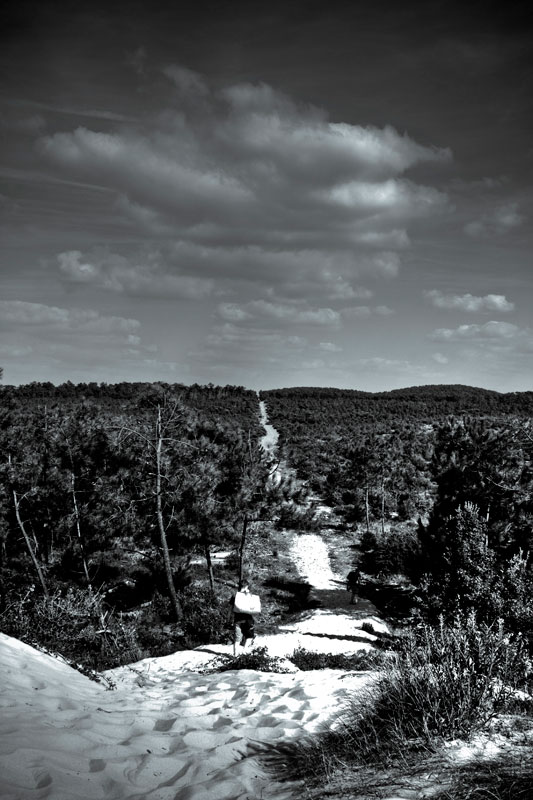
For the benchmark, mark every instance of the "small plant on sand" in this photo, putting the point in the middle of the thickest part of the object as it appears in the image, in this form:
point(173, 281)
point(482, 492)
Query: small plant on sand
point(307, 660)
point(257, 659)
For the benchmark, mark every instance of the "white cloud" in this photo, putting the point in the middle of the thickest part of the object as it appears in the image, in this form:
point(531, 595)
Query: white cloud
point(498, 222)
point(356, 311)
point(232, 312)
point(330, 347)
point(21, 313)
point(489, 331)
point(234, 341)
point(147, 277)
point(294, 314)
point(469, 302)
point(440, 358)
point(245, 183)
point(366, 311)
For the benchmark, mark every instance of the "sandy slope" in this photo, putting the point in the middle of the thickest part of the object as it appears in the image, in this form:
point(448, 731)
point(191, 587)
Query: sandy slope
point(165, 732)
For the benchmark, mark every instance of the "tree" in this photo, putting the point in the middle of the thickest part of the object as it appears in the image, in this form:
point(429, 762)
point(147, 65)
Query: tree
point(163, 434)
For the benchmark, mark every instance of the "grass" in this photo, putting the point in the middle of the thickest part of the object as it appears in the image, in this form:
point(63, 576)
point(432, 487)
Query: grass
point(257, 659)
point(507, 777)
point(444, 682)
point(307, 660)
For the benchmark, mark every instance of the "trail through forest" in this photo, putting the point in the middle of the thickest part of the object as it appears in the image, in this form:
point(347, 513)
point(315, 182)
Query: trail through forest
point(310, 554)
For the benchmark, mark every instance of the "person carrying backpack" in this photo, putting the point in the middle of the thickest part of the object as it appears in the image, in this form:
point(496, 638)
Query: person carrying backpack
point(353, 582)
point(244, 604)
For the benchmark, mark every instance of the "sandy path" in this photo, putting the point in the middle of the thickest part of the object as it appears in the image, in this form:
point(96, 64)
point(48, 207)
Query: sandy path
point(270, 440)
point(310, 554)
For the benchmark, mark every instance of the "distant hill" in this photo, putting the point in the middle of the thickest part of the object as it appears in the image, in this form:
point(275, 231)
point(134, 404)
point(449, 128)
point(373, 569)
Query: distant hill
point(421, 401)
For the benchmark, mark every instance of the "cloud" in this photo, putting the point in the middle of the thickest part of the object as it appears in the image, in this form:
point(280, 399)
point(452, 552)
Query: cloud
point(248, 346)
point(15, 351)
point(232, 312)
point(440, 358)
point(490, 330)
point(495, 337)
point(244, 183)
point(22, 313)
point(148, 277)
point(186, 80)
point(497, 223)
point(469, 302)
point(279, 312)
point(352, 312)
point(356, 311)
point(330, 347)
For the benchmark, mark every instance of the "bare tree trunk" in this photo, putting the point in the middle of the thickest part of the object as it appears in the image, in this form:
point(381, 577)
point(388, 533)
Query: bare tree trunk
point(207, 553)
point(160, 522)
point(28, 545)
point(367, 511)
point(78, 530)
point(241, 549)
point(382, 501)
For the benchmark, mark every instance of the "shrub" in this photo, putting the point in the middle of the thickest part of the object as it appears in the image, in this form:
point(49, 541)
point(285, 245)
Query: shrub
point(205, 617)
point(390, 552)
point(363, 660)
point(74, 625)
point(445, 681)
point(257, 659)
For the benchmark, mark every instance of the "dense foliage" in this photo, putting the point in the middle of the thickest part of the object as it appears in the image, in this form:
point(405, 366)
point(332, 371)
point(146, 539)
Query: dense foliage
point(108, 491)
point(111, 490)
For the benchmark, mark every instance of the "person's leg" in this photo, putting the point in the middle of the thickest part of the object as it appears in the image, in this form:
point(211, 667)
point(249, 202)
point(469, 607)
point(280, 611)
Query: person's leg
point(247, 631)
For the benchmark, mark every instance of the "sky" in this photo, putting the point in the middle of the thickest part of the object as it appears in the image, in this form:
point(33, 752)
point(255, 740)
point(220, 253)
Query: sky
point(267, 194)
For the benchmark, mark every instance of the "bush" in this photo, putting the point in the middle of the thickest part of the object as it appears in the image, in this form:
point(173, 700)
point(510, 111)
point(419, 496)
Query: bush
point(295, 517)
point(257, 659)
point(205, 617)
point(391, 552)
point(363, 660)
point(74, 625)
point(445, 681)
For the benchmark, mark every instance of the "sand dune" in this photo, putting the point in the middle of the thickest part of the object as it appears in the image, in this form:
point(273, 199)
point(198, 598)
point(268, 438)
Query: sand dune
point(164, 732)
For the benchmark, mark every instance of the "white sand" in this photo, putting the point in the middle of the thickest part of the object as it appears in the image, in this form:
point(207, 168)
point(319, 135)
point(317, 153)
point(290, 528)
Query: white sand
point(169, 732)
point(165, 732)
point(311, 558)
point(269, 441)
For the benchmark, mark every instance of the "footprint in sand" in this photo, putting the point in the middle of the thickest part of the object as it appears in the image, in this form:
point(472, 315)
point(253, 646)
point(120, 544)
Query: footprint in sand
point(164, 724)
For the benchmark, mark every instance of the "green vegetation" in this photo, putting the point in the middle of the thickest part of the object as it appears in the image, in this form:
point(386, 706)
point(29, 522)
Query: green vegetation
point(363, 660)
point(446, 681)
point(114, 499)
point(106, 494)
point(257, 659)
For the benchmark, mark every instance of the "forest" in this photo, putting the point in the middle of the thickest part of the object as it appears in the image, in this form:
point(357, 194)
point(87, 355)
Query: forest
point(112, 495)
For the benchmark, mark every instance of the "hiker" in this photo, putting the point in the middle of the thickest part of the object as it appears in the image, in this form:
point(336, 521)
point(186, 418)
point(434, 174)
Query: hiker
point(243, 620)
point(353, 582)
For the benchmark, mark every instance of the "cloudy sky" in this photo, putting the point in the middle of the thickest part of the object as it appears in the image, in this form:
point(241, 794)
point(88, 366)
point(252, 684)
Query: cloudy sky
point(268, 194)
